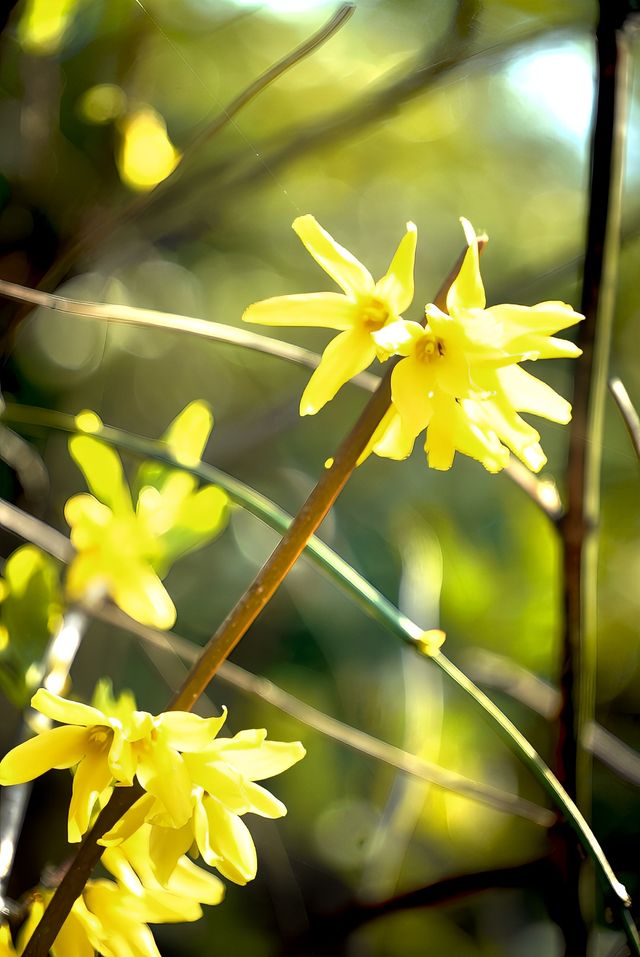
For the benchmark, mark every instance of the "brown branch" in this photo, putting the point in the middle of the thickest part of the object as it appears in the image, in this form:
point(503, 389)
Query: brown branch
point(327, 929)
point(578, 527)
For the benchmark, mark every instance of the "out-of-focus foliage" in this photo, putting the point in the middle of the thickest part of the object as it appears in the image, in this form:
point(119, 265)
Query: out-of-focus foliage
point(415, 110)
point(30, 612)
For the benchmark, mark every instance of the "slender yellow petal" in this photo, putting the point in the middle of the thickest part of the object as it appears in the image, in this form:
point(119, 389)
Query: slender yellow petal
point(189, 880)
point(220, 779)
point(336, 261)
point(91, 783)
point(167, 847)
point(259, 758)
point(66, 712)
point(102, 470)
point(141, 594)
point(396, 287)
point(412, 389)
point(528, 394)
point(467, 290)
point(58, 748)
point(345, 356)
point(189, 732)
point(392, 439)
point(262, 802)
point(230, 839)
point(545, 318)
point(440, 446)
point(162, 772)
point(327, 310)
point(189, 432)
point(133, 819)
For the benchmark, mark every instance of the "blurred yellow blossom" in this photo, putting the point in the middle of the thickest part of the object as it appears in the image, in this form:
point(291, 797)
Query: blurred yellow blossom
point(147, 155)
point(460, 379)
point(125, 551)
point(365, 307)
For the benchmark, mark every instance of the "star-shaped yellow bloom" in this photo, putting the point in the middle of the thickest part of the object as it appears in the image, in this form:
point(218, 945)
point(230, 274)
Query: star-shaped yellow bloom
point(460, 379)
point(223, 779)
point(366, 307)
point(109, 744)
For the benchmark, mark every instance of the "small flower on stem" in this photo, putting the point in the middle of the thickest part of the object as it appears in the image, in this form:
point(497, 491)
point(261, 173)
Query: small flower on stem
point(366, 307)
point(460, 379)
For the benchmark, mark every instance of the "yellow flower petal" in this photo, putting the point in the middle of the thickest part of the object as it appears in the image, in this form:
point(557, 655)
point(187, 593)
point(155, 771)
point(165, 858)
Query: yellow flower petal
point(327, 310)
point(58, 748)
point(392, 439)
point(467, 290)
point(255, 757)
point(189, 732)
point(91, 783)
point(345, 356)
point(189, 432)
point(65, 711)
point(396, 287)
point(162, 772)
point(412, 385)
point(262, 802)
point(102, 469)
point(229, 837)
point(336, 261)
point(166, 847)
point(189, 880)
point(141, 594)
point(133, 819)
point(528, 394)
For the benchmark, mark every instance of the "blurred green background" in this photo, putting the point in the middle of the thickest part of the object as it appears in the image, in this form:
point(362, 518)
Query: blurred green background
point(415, 110)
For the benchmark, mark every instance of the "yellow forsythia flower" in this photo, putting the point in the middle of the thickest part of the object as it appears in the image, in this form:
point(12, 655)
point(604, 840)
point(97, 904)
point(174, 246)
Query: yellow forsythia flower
point(460, 379)
point(125, 551)
point(112, 918)
point(223, 779)
point(365, 307)
point(109, 745)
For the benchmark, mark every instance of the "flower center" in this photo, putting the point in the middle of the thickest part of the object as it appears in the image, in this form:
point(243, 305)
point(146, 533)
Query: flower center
point(374, 315)
point(429, 348)
point(100, 737)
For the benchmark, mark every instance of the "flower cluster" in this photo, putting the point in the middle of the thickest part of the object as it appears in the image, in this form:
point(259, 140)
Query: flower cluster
point(458, 375)
point(111, 917)
point(197, 785)
point(124, 551)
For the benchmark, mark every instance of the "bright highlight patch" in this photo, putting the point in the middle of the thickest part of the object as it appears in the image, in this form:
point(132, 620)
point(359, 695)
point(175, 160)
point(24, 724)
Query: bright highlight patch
point(147, 155)
point(44, 24)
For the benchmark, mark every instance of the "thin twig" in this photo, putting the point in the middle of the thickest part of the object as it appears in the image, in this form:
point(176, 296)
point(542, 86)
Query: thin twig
point(175, 322)
point(627, 411)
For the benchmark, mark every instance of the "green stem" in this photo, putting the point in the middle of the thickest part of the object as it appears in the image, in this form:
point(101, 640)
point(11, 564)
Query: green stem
point(382, 610)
